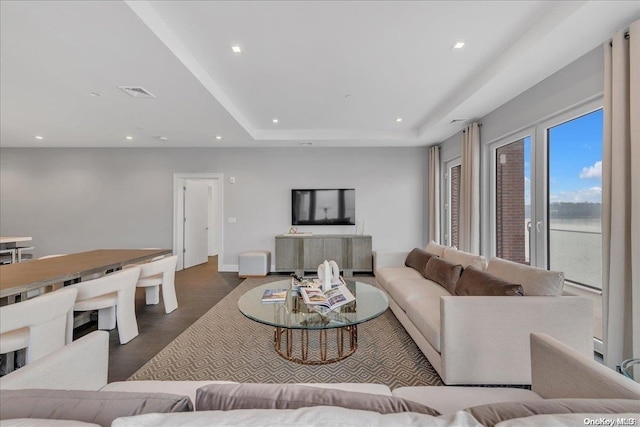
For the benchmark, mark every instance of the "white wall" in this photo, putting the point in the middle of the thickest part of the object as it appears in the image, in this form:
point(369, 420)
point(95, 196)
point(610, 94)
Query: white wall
point(71, 200)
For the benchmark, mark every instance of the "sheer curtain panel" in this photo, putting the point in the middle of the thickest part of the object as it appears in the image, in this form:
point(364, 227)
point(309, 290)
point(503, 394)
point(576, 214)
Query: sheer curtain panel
point(621, 198)
point(469, 235)
point(433, 198)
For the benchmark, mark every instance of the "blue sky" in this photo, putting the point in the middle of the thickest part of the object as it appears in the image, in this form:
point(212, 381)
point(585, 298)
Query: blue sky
point(575, 160)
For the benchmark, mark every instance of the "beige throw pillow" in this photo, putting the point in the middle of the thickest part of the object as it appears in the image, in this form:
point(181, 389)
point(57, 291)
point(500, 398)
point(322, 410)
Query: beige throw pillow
point(443, 273)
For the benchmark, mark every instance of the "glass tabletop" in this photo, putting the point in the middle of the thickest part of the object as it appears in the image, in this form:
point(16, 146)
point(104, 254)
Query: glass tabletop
point(293, 313)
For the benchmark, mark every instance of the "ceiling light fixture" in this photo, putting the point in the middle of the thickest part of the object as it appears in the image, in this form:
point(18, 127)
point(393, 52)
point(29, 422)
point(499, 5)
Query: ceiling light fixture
point(162, 138)
point(275, 120)
point(399, 119)
point(218, 137)
point(129, 138)
point(94, 94)
point(458, 45)
point(39, 137)
point(236, 49)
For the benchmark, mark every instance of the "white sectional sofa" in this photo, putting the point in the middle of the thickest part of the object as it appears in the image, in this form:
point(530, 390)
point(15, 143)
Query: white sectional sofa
point(482, 339)
point(567, 387)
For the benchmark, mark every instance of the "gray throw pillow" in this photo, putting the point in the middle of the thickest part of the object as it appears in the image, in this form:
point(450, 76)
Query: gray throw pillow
point(491, 414)
point(474, 282)
point(227, 397)
point(443, 273)
point(417, 259)
point(99, 407)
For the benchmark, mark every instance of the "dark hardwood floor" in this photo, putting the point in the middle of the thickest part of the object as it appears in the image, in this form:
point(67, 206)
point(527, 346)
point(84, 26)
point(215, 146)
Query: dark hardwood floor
point(198, 289)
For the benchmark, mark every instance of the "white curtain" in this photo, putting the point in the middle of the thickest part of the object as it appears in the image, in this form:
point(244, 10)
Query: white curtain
point(433, 196)
point(469, 234)
point(621, 198)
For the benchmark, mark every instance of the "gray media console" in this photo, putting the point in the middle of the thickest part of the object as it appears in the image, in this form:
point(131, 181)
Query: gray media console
point(300, 253)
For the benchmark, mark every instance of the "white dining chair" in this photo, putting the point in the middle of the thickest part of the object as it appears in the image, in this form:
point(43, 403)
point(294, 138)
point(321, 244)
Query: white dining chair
point(160, 273)
point(113, 296)
point(38, 324)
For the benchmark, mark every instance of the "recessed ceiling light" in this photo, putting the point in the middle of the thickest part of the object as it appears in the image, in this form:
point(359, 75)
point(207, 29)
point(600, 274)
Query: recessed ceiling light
point(94, 94)
point(162, 138)
point(39, 137)
point(399, 119)
point(458, 45)
point(129, 137)
point(236, 49)
point(218, 137)
point(275, 120)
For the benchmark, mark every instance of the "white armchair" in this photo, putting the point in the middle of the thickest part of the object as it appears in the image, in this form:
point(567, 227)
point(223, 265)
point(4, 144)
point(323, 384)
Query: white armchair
point(156, 273)
point(37, 324)
point(113, 296)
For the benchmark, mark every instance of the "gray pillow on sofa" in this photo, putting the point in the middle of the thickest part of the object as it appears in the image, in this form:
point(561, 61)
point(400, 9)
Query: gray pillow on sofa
point(417, 259)
point(474, 282)
point(443, 273)
point(491, 414)
point(99, 407)
point(226, 397)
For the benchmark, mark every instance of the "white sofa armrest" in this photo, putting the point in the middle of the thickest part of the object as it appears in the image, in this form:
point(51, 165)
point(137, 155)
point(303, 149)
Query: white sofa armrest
point(485, 339)
point(81, 365)
point(383, 259)
point(561, 372)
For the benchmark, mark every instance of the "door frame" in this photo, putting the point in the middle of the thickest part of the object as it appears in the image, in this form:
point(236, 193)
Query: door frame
point(178, 179)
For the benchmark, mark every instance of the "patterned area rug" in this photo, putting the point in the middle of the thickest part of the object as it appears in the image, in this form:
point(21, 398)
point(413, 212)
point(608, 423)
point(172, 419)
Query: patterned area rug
point(225, 345)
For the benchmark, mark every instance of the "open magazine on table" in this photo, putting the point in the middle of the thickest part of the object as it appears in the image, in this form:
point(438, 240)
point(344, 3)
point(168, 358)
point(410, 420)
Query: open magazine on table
point(331, 299)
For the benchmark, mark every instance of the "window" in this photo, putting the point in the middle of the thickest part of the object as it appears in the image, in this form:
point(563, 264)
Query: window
point(513, 200)
point(575, 199)
point(544, 201)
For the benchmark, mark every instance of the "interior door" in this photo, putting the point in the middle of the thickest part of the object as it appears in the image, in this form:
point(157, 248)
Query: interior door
point(196, 223)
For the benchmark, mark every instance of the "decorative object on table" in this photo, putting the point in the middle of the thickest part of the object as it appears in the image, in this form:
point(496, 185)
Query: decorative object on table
point(335, 273)
point(274, 295)
point(329, 274)
point(324, 275)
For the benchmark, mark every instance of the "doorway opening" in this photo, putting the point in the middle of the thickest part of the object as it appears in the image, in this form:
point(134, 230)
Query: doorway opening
point(197, 218)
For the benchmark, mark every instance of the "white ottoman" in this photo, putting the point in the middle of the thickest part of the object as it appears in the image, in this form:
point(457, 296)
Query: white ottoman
point(254, 263)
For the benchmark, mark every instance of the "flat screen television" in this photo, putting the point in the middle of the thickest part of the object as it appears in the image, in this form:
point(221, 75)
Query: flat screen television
point(323, 206)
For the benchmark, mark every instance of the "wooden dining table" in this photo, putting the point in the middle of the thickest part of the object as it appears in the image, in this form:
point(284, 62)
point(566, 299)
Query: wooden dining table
point(18, 278)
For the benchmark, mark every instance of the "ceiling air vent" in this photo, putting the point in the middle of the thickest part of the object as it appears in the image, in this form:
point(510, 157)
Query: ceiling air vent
point(137, 92)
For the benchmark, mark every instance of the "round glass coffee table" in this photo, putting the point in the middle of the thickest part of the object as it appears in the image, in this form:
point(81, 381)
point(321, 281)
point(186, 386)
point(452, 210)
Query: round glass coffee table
point(294, 322)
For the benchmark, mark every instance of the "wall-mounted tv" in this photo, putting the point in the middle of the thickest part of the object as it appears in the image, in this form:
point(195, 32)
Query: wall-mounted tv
point(323, 207)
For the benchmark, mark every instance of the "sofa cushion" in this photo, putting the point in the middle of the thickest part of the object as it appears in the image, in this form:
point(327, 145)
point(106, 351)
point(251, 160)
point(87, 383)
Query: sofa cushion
point(386, 274)
point(465, 259)
point(304, 417)
point(424, 313)
point(474, 282)
point(40, 422)
point(436, 249)
point(182, 388)
point(449, 399)
point(99, 407)
point(491, 414)
point(417, 259)
point(404, 290)
point(534, 281)
point(227, 397)
point(444, 273)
